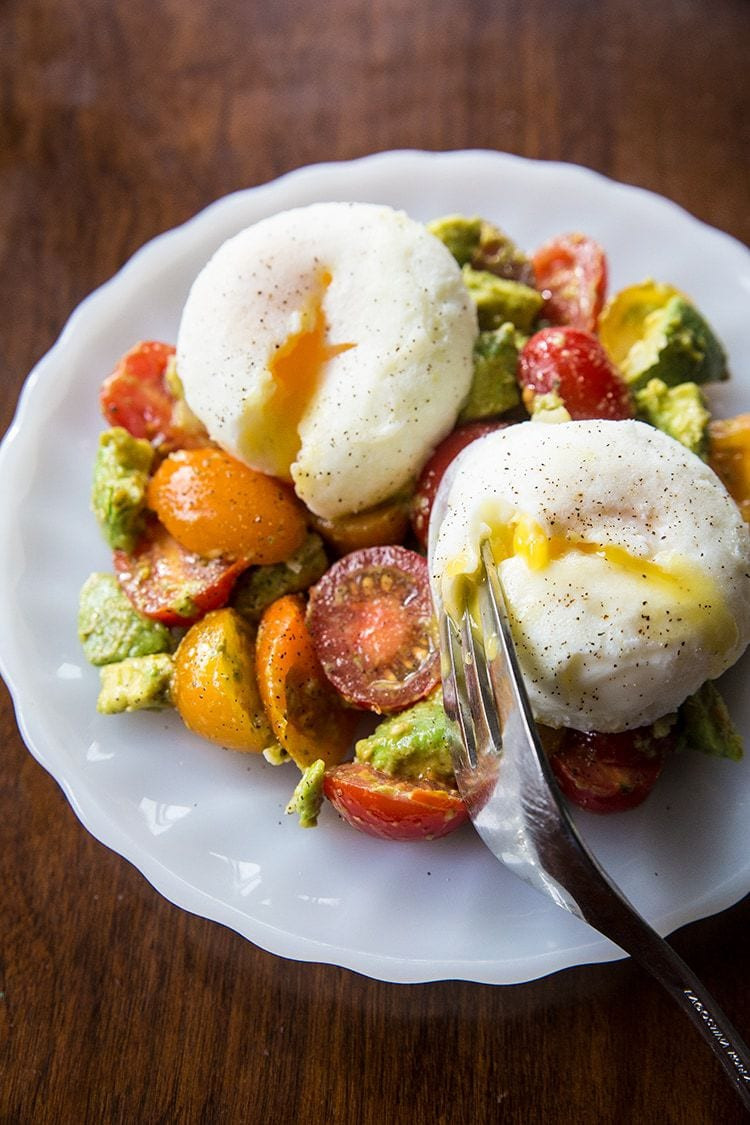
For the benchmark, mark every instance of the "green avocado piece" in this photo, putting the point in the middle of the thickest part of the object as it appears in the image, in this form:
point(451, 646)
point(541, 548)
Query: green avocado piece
point(478, 243)
point(307, 798)
point(110, 629)
point(548, 407)
point(498, 299)
point(677, 346)
point(139, 683)
point(494, 387)
point(258, 586)
point(414, 745)
point(118, 494)
point(679, 411)
point(704, 723)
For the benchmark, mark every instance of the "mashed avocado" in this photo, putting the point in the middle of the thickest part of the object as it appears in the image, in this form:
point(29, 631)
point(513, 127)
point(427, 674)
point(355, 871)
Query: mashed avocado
point(499, 299)
point(414, 745)
point(679, 411)
point(307, 798)
point(548, 407)
point(258, 586)
point(110, 629)
point(494, 388)
point(475, 242)
point(139, 683)
point(704, 723)
point(118, 492)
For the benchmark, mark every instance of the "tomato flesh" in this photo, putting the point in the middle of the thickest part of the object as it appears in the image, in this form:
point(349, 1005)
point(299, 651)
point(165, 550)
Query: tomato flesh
point(392, 808)
point(609, 772)
point(574, 365)
point(137, 397)
point(170, 584)
point(434, 470)
point(571, 273)
point(374, 629)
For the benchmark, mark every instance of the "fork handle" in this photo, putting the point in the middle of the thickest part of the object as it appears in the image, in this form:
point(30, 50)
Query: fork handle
point(631, 932)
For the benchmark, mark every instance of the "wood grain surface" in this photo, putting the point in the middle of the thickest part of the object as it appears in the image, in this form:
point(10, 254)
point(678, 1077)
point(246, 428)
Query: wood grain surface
point(118, 121)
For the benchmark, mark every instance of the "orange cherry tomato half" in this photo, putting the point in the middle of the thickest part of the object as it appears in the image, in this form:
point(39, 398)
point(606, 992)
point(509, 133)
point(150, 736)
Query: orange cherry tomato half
point(307, 715)
point(214, 686)
point(571, 273)
point(392, 808)
point(388, 523)
point(609, 772)
point(170, 584)
point(137, 397)
point(214, 505)
point(374, 629)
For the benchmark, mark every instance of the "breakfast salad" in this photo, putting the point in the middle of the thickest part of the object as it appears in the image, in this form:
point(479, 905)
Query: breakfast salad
point(266, 487)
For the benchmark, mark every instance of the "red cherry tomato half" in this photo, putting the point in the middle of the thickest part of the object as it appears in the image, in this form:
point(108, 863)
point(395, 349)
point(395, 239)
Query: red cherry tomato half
point(571, 273)
point(391, 808)
point(137, 397)
point(374, 629)
point(609, 772)
point(434, 470)
point(574, 364)
point(170, 584)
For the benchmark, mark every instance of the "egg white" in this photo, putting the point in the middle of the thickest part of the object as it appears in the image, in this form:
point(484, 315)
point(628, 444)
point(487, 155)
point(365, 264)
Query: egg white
point(398, 324)
point(607, 640)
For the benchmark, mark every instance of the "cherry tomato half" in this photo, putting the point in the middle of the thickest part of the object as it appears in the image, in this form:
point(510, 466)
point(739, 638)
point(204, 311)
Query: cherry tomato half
point(374, 629)
point(574, 364)
point(216, 505)
point(391, 808)
point(434, 470)
point(171, 584)
point(609, 772)
point(571, 274)
point(306, 713)
point(137, 397)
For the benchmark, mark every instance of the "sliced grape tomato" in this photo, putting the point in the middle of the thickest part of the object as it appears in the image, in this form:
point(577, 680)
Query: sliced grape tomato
point(374, 630)
point(571, 274)
point(609, 772)
point(171, 584)
point(392, 808)
point(434, 471)
point(574, 365)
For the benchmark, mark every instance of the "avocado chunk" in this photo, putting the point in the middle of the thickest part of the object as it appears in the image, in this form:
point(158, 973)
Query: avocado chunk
point(494, 387)
point(499, 299)
point(118, 494)
point(307, 798)
point(547, 407)
point(679, 411)
point(414, 745)
point(476, 242)
point(652, 331)
point(704, 723)
point(258, 586)
point(139, 683)
point(110, 629)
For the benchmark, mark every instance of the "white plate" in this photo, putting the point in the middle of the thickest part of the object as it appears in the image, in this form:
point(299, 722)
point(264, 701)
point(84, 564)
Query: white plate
point(206, 826)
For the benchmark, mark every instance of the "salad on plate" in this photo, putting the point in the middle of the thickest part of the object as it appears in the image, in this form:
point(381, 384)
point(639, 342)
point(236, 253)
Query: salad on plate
point(266, 481)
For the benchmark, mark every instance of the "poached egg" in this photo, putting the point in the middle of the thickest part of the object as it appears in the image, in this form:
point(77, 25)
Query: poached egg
point(329, 346)
point(624, 561)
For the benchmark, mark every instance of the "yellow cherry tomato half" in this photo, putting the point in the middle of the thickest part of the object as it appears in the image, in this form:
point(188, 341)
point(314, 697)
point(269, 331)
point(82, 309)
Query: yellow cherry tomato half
point(306, 713)
point(214, 686)
point(388, 523)
point(214, 505)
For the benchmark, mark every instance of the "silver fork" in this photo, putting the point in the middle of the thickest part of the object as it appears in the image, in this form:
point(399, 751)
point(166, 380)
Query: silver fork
point(505, 779)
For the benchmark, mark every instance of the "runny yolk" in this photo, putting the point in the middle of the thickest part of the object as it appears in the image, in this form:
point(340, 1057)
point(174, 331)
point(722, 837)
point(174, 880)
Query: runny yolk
point(676, 586)
point(297, 368)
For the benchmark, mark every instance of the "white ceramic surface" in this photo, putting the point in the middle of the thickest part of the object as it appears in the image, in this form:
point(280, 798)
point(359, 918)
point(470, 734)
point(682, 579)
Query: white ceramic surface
point(207, 827)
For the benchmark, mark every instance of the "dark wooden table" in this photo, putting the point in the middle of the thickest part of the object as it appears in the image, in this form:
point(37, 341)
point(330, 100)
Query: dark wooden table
point(118, 122)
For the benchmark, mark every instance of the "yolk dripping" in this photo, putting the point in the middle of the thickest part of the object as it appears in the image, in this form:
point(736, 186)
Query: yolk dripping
point(296, 369)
